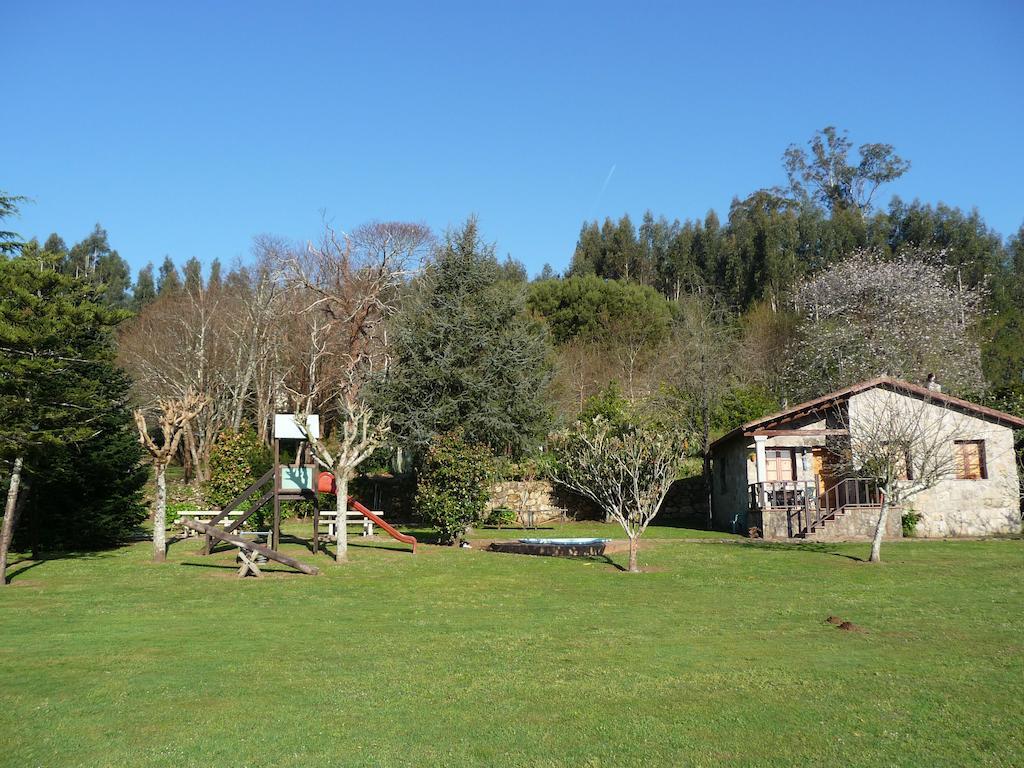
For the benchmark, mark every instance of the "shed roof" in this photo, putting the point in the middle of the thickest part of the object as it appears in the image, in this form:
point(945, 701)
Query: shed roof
point(896, 385)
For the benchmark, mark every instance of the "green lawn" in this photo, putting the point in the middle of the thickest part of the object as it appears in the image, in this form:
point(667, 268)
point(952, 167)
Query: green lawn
point(718, 655)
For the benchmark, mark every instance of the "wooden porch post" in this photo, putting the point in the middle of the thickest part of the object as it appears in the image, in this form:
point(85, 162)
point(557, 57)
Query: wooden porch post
point(762, 468)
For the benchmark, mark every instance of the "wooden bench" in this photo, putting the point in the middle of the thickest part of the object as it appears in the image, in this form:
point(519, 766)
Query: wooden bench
point(329, 517)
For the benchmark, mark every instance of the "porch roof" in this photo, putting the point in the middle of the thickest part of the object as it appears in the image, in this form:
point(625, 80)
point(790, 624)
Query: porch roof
point(897, 385)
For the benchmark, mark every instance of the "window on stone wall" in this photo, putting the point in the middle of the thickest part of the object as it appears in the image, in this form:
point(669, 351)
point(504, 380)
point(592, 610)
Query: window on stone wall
point(969, 459)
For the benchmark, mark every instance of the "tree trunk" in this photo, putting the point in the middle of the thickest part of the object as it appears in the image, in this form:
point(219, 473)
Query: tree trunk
point(633, 567)
point(160, 515)
point(876, 543)
point(341, 487)
point(10, 518)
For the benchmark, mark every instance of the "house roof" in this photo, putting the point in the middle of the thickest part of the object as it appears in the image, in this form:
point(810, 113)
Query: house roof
point(896, 385)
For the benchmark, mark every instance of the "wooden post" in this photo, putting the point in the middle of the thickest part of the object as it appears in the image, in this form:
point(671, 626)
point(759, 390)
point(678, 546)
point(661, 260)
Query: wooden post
point(275, 535)
point(316, 512)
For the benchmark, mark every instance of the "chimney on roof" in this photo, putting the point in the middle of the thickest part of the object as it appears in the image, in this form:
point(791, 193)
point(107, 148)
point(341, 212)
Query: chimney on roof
point(932, 383)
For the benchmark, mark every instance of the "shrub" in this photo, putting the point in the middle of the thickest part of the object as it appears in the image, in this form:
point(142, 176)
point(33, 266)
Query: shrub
point(909, 522)
point(453, 485)
point(237, 460)
point(501, 516)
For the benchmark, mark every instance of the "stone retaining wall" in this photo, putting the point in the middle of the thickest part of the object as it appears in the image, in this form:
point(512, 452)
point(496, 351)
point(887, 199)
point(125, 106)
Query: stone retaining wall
point(685, 500)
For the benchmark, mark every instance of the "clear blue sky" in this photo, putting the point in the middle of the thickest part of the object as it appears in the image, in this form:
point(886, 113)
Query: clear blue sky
point(188, 128)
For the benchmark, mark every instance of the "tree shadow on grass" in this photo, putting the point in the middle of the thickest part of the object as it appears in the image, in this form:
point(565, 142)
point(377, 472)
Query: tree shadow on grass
point(27, 564)
point(817, 547)
point(226, 567)
point(604, 560)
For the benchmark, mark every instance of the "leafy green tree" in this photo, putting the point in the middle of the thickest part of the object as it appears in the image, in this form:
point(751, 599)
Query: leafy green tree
point(94, 260)
point(215, 277)
point(827, 176)
point(60, 394)
point(513, 270)
point(466, 354)
point(585, 307)
point(237, 460)
point(145, 288)
point(193, 272)
point(453, 484)
point(589, 251)
point(1002, 353)
point(973, 251)
point(56, 246)
point(168, 281)
point(547, 272)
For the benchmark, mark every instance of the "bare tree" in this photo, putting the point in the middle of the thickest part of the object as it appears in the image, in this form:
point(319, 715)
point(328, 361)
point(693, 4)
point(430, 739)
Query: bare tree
point(174, 416)
point(905, 445)
point(582, 369)
point(343, 296)
point(701, 366)
point(626, 472)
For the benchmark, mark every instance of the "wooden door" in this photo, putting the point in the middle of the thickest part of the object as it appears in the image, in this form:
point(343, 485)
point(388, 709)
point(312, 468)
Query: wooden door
point(821, 461)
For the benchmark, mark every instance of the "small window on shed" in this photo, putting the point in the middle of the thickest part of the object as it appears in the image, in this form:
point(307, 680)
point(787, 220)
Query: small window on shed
point(969, 459)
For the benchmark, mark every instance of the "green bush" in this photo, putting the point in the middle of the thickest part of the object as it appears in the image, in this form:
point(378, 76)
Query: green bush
point(909, 522)
point(501, 516)
point(453, 485)
point(237, 460)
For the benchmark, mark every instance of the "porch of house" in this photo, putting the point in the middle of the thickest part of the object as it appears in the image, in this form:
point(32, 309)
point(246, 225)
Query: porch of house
point(810, 509)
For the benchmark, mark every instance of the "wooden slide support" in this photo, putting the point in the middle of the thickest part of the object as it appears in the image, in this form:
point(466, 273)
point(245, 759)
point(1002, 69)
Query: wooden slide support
point(238, 501)
point(245, 544)
point(377, 520)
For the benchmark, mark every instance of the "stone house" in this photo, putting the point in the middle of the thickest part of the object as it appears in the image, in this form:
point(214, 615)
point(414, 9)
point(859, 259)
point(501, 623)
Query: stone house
point(781, 476)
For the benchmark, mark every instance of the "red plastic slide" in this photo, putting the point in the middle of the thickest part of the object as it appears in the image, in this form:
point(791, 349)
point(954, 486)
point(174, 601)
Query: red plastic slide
point(325, 484)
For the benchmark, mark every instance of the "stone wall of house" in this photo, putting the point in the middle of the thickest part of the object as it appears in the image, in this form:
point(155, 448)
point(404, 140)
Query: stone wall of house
point(960, 507)
point(729, 481)
point(854, 524)
point(859, 524)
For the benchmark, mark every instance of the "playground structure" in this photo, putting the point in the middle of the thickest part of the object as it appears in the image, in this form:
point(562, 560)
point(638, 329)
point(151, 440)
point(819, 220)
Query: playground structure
point(297, 480)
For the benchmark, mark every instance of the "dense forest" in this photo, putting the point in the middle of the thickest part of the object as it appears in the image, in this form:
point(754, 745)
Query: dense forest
point(706, 323)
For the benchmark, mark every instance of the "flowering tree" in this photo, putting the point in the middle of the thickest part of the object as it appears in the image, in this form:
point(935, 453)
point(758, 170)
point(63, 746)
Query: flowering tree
point(870, 316)
point(626, 471)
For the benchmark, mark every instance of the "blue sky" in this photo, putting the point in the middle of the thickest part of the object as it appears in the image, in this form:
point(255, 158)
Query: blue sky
point(188, 128)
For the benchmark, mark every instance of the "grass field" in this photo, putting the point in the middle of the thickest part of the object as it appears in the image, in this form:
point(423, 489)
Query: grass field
point(717, 655)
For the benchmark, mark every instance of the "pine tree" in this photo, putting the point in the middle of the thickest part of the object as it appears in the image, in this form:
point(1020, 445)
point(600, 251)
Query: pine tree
point(466, 354)
point(60, 392)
